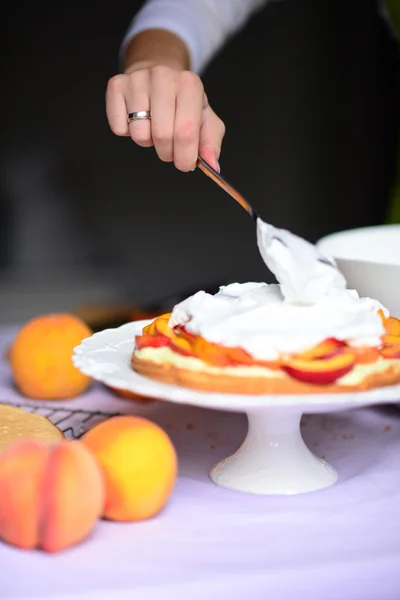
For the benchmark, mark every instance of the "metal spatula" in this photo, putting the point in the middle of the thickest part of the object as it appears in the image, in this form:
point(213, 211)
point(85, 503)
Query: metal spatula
point(227, 187)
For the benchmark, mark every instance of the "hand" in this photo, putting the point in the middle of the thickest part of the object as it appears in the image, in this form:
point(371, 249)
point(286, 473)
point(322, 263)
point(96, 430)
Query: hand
point(182, 124)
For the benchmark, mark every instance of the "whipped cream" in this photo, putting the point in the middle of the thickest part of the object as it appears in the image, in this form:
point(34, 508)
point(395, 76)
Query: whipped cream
point(309, 304)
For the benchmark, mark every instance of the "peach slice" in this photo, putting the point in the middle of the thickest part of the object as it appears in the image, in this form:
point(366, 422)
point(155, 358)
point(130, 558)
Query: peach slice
point(181, 346)
point(150, 329)
point(390, 340)
point(274, 365)
point(382, 316)
point(185, 334)
point(322, 371)
point(391, 351)
point(212, 354)
point(162, 328)
point(365, 355)
point(189, 344)
point(151, 341)
point(325, 349)
point(392, 326)
point(238, 356)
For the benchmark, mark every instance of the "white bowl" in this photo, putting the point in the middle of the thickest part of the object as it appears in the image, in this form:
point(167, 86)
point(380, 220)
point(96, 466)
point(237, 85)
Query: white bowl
point(369, 258)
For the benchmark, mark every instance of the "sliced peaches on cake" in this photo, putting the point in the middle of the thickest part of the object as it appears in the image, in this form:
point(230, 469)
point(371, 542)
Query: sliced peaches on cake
point(181, 346)
point(391, 340)
point(328, 348)
point(151, 341)
point(392, 326)
point(316, 368)
point(161, 327)
point(365, 355)
point(220, 356)
point(320, 371)
point(182, 332)
point(392, 335)
point(390, 351)
point(150, 329)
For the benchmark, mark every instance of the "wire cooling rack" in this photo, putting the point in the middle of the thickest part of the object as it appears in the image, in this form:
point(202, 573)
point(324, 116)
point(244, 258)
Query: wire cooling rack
point(73, 423)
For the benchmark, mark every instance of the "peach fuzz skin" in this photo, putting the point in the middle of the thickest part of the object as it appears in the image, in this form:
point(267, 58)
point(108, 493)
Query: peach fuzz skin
point(40, 357)
point(51, 494)
point(139, 465)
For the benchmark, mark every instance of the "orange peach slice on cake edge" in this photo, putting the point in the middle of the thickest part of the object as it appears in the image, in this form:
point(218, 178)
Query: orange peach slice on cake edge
point(162, 328)
point(182, 346)
point(325, 349)
point(211, 353)
point(182, 332)
point(239, 356)
point(365, 355)
point(390, 351)
point(272, 365)
point(322, 371)
point(392, 326)
point(390, 340)
point(150, 329)
point(382, 316)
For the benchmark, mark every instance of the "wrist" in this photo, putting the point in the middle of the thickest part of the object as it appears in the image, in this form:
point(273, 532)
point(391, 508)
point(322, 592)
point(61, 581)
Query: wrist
point(156, 47)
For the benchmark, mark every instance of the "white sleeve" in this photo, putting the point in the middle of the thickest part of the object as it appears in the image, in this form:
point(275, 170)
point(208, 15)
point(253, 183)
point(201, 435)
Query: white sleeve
point(203, 25)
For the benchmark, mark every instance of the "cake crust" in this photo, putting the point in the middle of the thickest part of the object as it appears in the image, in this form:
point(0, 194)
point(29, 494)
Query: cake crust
point(236, 384)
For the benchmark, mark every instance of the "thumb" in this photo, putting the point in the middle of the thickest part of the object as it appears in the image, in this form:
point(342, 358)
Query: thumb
point(211, 135)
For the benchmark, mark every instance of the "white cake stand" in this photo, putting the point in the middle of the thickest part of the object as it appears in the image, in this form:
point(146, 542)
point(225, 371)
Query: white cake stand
point(273, 459)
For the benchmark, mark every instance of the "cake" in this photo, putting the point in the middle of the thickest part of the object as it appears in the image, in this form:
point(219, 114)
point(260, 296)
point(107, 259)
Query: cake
point(305, 334)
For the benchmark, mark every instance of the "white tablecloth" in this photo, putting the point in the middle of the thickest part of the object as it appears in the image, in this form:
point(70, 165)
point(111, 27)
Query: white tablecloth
point(210, 543)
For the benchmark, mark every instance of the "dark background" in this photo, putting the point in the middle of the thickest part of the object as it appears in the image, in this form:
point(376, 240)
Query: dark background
point(307, 91)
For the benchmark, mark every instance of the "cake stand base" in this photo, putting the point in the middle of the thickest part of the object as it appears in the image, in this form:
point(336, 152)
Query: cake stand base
point(274, 459)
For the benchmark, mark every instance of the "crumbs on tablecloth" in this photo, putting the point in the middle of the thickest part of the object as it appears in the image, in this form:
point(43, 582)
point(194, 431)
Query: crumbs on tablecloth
point(212, 447)
point(388, 428)
point(348, 436)
point(189, 426)
point(217, 439)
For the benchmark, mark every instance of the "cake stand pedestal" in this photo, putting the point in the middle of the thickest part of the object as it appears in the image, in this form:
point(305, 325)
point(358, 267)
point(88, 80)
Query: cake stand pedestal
point(273, 458)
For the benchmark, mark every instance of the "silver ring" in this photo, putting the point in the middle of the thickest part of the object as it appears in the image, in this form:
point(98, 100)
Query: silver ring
point(139, 115)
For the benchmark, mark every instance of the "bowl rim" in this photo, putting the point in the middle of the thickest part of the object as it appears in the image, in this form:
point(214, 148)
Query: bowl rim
point(357, 230)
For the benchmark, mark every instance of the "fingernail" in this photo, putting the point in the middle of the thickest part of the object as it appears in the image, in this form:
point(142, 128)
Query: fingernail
point(218, 167)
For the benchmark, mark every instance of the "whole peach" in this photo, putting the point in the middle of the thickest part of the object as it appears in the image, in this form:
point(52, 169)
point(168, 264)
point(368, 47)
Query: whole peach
point(51, 494)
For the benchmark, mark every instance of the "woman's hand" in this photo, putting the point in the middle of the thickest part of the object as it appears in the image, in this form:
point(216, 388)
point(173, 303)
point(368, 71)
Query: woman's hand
point(182, 123)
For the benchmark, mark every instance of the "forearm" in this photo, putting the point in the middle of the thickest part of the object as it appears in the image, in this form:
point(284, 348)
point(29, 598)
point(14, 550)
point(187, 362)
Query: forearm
point(155, 47)
point(202, 26)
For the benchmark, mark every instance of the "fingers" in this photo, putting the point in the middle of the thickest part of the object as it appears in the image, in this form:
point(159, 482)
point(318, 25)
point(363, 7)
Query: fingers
point(189, 113)
point(163, 103)
point(211, 136)
point(138, 98)
point(182, 124)
point(116, 105)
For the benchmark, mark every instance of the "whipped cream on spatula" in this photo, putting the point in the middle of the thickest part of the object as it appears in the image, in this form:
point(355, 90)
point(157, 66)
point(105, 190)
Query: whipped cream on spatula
point(305, 274)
